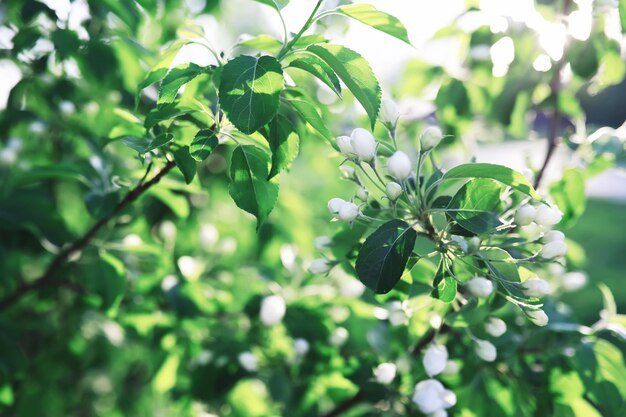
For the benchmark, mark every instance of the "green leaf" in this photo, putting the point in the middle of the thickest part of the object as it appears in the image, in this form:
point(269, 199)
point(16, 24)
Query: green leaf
point(249, 91)
point(284, 144)
point(583, 57)
point(165, 111)
point(319, 69)
point(500, 173)
point(276, 4)
point(159, 70)
point(475, 206)
point(185, 163)
point(143, 144)
point(368, 14)
point(622, 14)
point(503, 267)
point(203, 144)
point(250, 188)
point(304, 106)
point(569, 195)
point(444, 284)
point(384, 255)
point(265, 43)
point(356, 74)
point(175, 79)
point(107, 279)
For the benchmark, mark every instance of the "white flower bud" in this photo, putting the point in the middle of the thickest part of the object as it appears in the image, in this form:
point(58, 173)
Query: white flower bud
point(362, 194)
point(190, 267)
point(399, 165)
point(547, 216)
point(430, 138)
point(339, 336)
point(554, 249)
point(169, 282)
point(431, 396)
point(249, 361)
point(320, 266)
point(389, 113)
point(273, 310)
point(553, 236)
point(363, 144)
point(473, 244)
point(525, 215)
point(167, 230)
point(8, 157)
point(538, 317)
point(480, 287)
point(347, 171)
point(334, 204)
point(209, 236)
point(348, 212)
point(485, 350)
point(393, 190)
point(345, 146)
point(536, 287)
point(435, 359)
point(452, 368)
point(300, 346)
point(461, 242)
point(573, 281)
point(439, 413)
point(385, 373)
point(67, 108)
point(495, 327)
point(531, 232)
point(397, 314)
point(322, 242)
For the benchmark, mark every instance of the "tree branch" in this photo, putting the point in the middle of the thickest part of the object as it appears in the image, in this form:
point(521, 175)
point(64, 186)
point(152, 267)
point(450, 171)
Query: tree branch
point(346, 405)
point(47, 279)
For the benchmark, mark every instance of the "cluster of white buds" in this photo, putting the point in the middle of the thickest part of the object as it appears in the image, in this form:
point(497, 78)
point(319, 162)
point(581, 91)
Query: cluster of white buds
point(399, 313)
point(480, 287)
point(432, 398)
point(359, 146)
point(385, 373)
point(343, 210)
point(320, 266)
point(435, 359)
point(273, 310)
point(535, 220)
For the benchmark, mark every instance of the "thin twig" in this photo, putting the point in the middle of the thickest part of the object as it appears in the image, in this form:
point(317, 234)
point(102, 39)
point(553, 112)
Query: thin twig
point(59, 260)
point(346, 405)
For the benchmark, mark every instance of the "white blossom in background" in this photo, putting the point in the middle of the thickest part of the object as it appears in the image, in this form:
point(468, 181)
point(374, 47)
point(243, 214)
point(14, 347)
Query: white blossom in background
point(189, 267)
point(363, 144)
point(169, 282)
point(209, 236)
point(301, 346)
point(525, 215)
point(462, 243)
point(167, 230)
point(362, 194)
point(385, 373)
point(531, 232)
point(430, 138)
point(572, 281)
point(547, 215)
point(273, 310)
point(538, 317)
point(536, 287)
point(480, 287)
point(67, 108)
point(495, 327)
point(435, 359)
point(399, 166)
point(132, 241)
point(347, 171)
point(334, 205)
point(339, 336)
point(322, 242)
point(320, 266)
point(452, 368)
point(485, 350)
point(553, 236)
point(554, 250)
point(248, 361)
point(431, 396)
point(398, 314)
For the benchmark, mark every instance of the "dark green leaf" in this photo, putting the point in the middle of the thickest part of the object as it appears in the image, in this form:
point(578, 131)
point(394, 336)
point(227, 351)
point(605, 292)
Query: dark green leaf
point(444, 284)
point(106, 278)
point(176, 78)
point(320, 69)
point(583, 58)
point(384, 255)
point(569, 195)
point(475, 206)
point(284, 143)
point(500, 173)
point(368, 14)
point(185, 163)
point(203, 144)
point(356, 74)
point(250, 188)
point(66, 43)
point(249, 91)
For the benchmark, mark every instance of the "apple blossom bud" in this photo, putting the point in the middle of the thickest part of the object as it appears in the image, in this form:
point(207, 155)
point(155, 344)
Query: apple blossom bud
point(248, 361)
point(167, 230)
point(463, 245)
point(435, 359)
point(363, 144)
point(538, 317)
point(389, 113)
point(430, 138)
point(339, 336)
point(480, 287)
point(345, 146)
point(553, 236)
point(439, 413)
point(525, 215)
point(347, 171)
point(473, 244)
point(547, 216)
point(209, 236)
point(485, 350)
point(573, 281)
point(393, 190)
point(398, 316)
point(362, 194)
point(385, 373)
point(495, 327)
point(320, 266)
point(273, 310)
point(554, 249)
point(531, 232)
point(536, 287)
point(431, 396)
point(300, 346)
point(322, 242)
point(452, 368)
point(399, 166)
point(334, 204)
point(348, 212)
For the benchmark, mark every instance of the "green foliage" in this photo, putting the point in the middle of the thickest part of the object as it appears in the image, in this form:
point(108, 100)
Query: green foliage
point(366, 13)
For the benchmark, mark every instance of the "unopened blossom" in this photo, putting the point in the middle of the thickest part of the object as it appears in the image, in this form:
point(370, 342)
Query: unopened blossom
point(301, 346)
point(536, 287)
point(322, 242)
point(473, 244)
point(435, 359)
point(485, 350)
point(431, 396)
point(345, 146)
point(348, 171)
point(363, 144)
point(393, 190)
point(495, 327)
point(398, 316)
point(273, 310)
point(339, 336)
point(399, 166)
point(554, 249)
point(547, 215)
point(248, 361)
point(348, 212)
point(525, 215)
point(362, 194)
point(389, 113)
point(320, 266)
point(452, 368)
point(538, 317)
point(334, 204)
point(480, 287)
point(572, 281)
point(531, 231)
point(430, 138)
point(553, 236)
point(385, 373)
